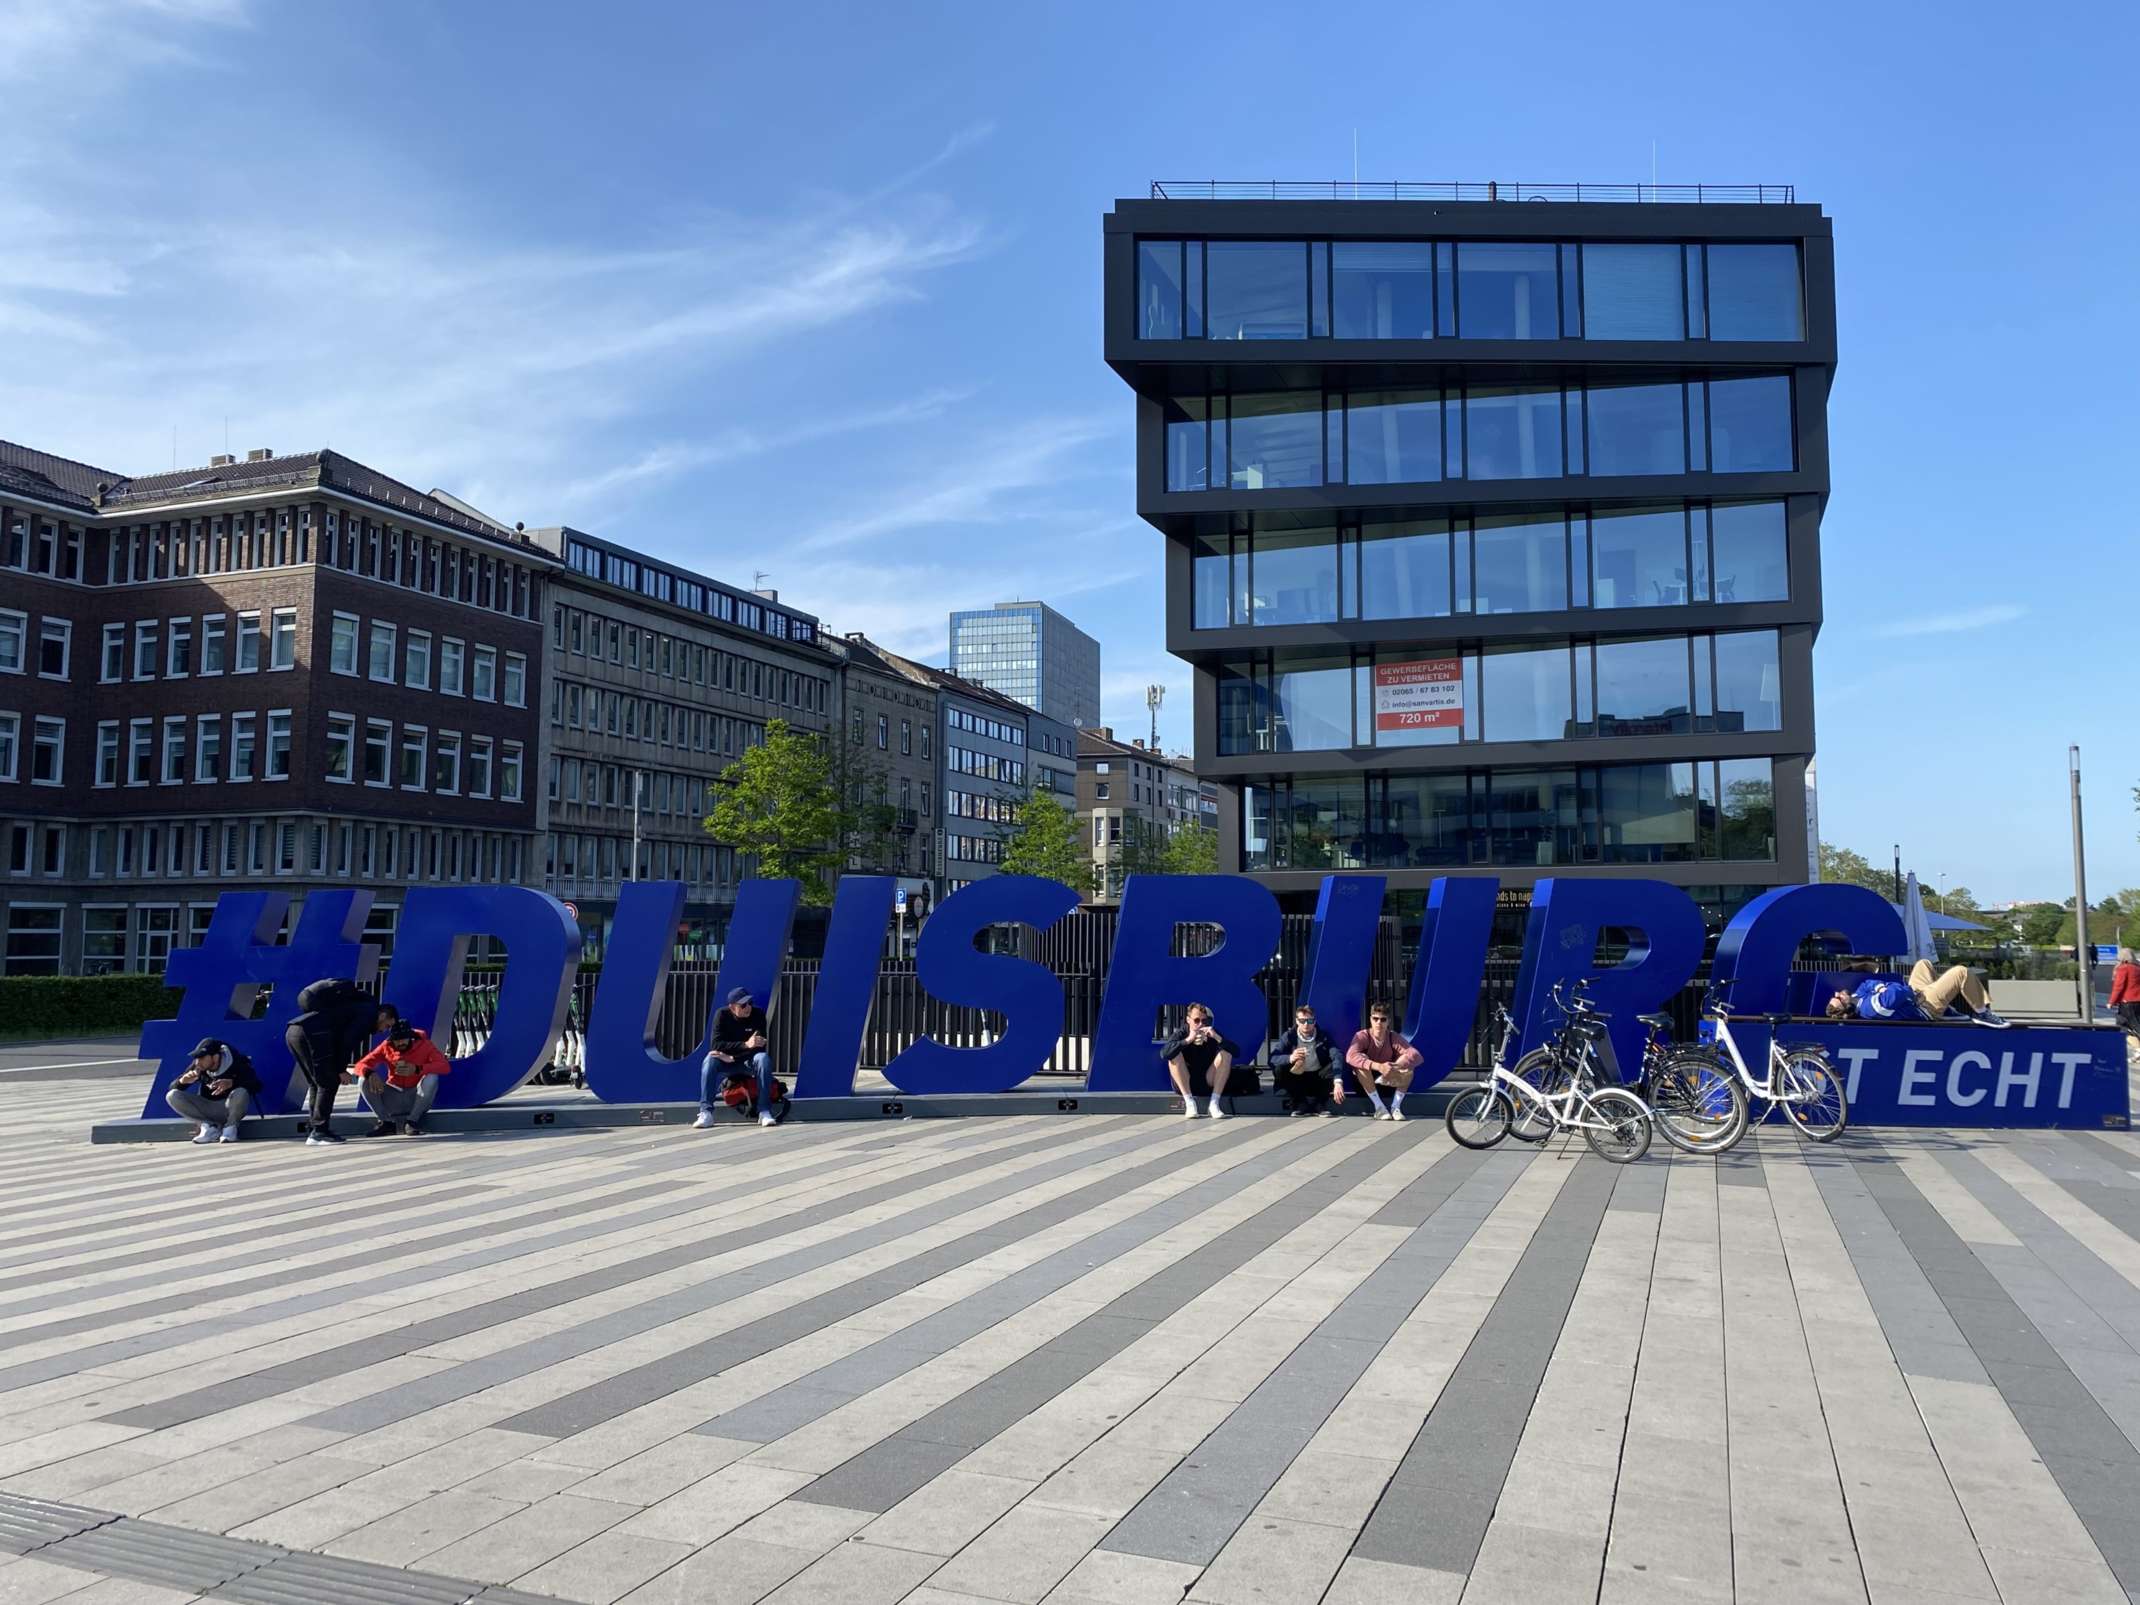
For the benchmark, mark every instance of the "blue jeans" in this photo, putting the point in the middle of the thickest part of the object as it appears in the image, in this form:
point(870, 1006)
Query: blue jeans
point(759, 1064)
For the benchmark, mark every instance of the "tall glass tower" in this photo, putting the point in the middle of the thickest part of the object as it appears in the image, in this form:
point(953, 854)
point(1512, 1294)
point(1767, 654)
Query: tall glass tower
point(1030, 652)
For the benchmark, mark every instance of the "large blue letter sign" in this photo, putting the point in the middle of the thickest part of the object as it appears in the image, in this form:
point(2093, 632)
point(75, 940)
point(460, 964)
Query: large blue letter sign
point(1146, 976)
point(1341, 952)
point(542, 950)
point(846, 982)
point(623, 1064)
point(1448, 971)
point(1756, 950)
point(238, 956)
point(1561, 945)
point(1027, 995)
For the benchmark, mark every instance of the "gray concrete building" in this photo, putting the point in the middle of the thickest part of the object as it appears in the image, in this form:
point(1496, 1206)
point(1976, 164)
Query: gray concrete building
point(655, 681)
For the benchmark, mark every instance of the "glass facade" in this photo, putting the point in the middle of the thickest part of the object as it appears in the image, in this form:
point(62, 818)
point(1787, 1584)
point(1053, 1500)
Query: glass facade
point(1029, 652)
point(1652, 813)
point(1688, 554)
point(1299, 439)
point(1524, 595)
point(1468, 290)
point(1582, 690)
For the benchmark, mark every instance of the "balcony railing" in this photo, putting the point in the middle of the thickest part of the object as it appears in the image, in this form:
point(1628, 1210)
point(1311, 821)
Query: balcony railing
point(1352, 189)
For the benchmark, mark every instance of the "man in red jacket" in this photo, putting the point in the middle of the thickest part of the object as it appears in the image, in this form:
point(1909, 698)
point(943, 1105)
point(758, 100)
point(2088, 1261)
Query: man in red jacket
point(400, 1079)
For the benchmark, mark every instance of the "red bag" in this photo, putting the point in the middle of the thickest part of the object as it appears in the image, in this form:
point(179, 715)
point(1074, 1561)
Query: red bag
point(740, 1092)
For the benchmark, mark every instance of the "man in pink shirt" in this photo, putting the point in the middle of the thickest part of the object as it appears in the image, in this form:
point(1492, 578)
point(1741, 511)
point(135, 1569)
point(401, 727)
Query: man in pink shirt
point(1383, 1061)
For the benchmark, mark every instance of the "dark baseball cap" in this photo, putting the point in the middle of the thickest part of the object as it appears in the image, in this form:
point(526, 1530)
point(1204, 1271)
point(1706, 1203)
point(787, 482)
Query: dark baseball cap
point(739, 994)
point(206, 1045)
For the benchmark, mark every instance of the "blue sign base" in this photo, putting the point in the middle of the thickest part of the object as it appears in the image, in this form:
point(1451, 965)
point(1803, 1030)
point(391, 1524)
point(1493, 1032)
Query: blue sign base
point(1966, 1076)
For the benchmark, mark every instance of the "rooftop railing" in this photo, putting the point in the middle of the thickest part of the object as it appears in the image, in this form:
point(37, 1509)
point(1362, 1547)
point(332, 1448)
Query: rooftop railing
point(1346, 189)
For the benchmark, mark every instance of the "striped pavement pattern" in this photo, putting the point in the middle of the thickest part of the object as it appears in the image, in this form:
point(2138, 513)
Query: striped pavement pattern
point(1089, 1358)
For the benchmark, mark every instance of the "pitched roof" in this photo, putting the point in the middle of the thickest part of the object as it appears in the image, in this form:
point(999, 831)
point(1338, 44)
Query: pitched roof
point(29, 472)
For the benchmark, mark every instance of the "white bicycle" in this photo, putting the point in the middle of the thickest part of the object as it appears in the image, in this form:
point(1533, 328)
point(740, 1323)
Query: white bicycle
point(1798, 1080)
point(1553, 1089)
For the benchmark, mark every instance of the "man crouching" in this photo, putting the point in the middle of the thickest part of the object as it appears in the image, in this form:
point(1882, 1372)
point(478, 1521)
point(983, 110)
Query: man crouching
point(400, 1079)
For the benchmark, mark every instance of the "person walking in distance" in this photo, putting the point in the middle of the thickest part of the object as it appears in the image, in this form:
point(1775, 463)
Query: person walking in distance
point(2125, 992)
point(1198, 1052)
point(1383, 1062)
point(739, 1049)
point(336, 1021)
point(400, 1079)
point(216, 1091)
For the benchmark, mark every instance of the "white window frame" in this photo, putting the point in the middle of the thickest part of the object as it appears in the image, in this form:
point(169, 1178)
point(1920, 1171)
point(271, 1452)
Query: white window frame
point(419, 737)
point(512, 762)
point(108, 746)
point(337, 624)
point(381, 631)
point(215, 627)
point(173, 725)
point(277, 637)
point(410, 650)
point(145, 648)
point(344, 725)
point(513, 687)
point(43, 725)
point(459, 651)
point(177, 631)
point(205, 725)
point(385, 728)
point(11, 722)
point(114, 637)
point(249, 636)
point(248, 725)
point(267, 746)
point(48, 627)
point(448, 744)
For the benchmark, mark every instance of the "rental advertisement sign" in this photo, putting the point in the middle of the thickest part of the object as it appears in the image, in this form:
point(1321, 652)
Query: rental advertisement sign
point(1424, 695)
point(241, 984)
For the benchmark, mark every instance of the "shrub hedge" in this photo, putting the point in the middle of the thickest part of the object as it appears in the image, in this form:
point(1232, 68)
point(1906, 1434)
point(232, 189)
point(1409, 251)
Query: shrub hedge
point(33, 1006)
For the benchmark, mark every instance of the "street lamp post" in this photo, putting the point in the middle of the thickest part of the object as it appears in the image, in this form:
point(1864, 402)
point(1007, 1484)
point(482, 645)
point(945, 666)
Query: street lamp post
point(2083, 954)
point(1898, 874)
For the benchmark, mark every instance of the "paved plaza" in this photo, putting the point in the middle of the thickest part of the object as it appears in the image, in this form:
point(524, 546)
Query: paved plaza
point(1115, 1359)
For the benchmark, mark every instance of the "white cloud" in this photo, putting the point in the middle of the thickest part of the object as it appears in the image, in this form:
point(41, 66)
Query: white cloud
point(1957, 623)
point(106, 36)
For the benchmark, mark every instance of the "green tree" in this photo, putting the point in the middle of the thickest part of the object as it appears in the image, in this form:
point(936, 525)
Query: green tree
point(1840, 866)
point(1044, 840)
point(782, 807)
point(2039, 923)
point(1193, 849)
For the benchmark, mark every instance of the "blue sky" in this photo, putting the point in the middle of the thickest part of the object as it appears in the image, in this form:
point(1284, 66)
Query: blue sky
point(814, 290)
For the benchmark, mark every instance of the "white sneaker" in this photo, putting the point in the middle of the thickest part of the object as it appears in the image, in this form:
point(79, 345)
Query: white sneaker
point(230, 1133)
point(206, 1134)
point(1384, 1114)
point(766, 1118)
point(1188, 1109)
point(1396, 1111)
point(705, 1119)
point(1218, 1111)
point(315, 1140)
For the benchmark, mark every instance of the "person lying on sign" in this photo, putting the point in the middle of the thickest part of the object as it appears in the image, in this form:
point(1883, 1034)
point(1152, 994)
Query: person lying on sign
point(1952, 993)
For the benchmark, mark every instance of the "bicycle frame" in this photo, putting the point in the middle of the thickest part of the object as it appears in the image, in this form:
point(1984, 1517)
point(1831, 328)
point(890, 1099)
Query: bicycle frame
point(1560, 1107)
point(1766, 1088)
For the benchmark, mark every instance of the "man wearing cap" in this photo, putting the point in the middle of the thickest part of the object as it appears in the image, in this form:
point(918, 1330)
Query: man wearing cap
point(216, 1091)
point(400, 1079)
point(739, 1047)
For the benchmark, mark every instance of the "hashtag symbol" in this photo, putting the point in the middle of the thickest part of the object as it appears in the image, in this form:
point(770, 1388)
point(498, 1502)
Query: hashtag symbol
point(220, 982)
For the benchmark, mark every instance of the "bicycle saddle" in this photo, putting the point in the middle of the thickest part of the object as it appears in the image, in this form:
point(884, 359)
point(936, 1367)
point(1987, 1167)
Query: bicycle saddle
point(1777, 1019)
point(1663, 1022)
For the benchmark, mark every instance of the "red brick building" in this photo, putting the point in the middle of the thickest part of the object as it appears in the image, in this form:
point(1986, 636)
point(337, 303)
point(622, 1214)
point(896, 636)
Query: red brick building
point(288, 671)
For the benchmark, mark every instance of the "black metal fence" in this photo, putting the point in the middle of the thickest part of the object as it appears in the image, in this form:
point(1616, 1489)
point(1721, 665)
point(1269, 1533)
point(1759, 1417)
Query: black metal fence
point(1078, 950)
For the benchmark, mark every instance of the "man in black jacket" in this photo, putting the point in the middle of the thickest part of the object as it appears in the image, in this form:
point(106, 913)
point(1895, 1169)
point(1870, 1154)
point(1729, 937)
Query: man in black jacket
point(336, 1021)
point(1302, 1062)
point(738, 1048)
point(216, 1091)
point(1198, 1053)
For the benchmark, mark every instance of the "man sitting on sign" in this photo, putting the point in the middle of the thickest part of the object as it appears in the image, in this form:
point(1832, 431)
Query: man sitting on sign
point(738, 1058)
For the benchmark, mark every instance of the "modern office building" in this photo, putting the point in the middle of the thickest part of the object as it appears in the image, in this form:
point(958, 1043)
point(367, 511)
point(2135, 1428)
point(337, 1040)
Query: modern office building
point(288, 672)
point(657, 680)
point(1491, 529)
point(1032, 654)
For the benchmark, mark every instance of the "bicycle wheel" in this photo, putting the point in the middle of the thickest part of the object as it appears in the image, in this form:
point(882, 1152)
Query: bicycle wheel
point(1697, 1104)
point(1478, 1117)
point(1812, 1096)
point(1540, 1069)
point(1626, 1132)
